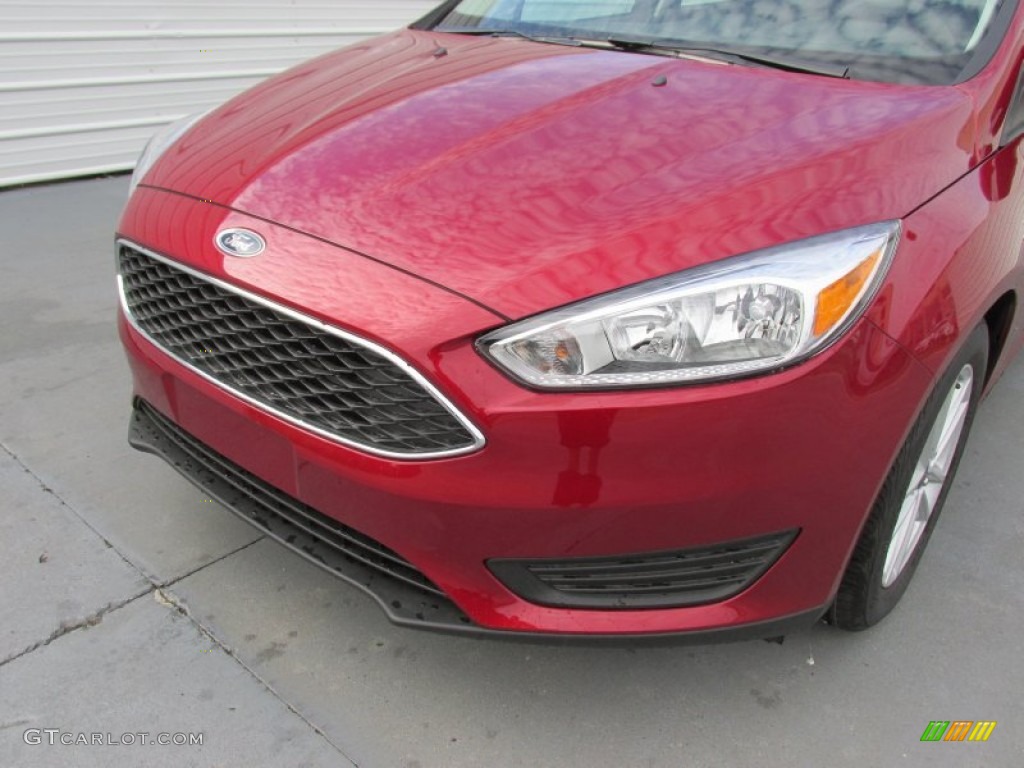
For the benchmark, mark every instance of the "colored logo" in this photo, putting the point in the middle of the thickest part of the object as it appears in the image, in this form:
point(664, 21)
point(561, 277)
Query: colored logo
point(958, 730)
point(243, 243)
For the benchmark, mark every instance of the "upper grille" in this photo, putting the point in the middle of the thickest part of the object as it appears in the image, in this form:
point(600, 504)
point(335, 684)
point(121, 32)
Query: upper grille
point(303, 371)
point(653, 580)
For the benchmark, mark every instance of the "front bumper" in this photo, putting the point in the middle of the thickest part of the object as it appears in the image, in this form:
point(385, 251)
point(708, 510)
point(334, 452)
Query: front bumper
point(562, 475)
point(403, 594)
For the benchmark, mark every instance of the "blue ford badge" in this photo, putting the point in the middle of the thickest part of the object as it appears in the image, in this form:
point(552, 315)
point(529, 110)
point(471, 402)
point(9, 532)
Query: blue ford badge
point(243, 243)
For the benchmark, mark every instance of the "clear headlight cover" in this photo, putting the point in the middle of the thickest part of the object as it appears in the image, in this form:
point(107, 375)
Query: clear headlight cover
point(753, 313)
point(160, 143)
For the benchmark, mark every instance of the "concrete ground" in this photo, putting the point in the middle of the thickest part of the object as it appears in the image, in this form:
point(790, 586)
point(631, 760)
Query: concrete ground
point(129, 605)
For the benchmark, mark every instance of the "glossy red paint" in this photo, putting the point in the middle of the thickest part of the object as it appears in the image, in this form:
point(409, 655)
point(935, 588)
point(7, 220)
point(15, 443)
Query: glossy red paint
point(527, 171)
point(530, 176)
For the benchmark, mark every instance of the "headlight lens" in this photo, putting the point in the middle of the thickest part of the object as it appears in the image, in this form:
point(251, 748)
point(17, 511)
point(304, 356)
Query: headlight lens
point(160, 143)
point(748, 314)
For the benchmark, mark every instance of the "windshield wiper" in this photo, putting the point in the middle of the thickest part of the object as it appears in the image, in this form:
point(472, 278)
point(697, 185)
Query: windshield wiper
point(670, 48)
point(514, 33)
point(787, 63)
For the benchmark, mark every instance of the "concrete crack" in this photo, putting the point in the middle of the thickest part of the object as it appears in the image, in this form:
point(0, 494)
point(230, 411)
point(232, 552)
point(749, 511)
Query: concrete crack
point(171, 582)
point(47, 489)
point(67, 627)
point(173, 602)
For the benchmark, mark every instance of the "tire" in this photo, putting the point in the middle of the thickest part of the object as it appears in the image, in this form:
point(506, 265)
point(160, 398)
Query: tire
point(884, 559)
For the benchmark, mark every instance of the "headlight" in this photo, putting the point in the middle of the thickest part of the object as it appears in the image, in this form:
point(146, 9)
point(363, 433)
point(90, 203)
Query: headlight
point(740, 316)
point(159, 144)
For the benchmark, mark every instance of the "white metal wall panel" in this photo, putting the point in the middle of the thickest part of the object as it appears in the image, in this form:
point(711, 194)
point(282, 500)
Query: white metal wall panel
point(84, 83)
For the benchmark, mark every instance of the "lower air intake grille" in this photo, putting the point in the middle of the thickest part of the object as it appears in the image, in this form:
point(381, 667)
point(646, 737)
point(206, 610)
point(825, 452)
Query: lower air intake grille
point(653, 580)
point(305, 372)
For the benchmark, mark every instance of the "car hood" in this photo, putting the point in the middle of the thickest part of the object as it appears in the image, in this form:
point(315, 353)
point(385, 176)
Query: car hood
point(525, 176)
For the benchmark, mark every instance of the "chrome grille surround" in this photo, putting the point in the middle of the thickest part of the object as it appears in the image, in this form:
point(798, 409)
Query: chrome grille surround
point(426, 425)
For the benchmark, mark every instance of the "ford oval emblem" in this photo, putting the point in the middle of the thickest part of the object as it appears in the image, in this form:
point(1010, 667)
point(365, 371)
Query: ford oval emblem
point(243, 243)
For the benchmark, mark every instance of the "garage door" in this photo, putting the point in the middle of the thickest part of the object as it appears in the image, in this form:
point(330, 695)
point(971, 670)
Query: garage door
point(84, 83)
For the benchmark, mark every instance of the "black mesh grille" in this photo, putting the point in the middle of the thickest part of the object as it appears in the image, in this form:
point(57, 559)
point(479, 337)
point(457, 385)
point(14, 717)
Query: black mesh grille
point(312, 376)
point(655, 580)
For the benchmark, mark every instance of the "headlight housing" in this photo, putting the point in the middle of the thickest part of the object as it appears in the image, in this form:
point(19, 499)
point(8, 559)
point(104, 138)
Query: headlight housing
point(741, 316)
point(160, 143)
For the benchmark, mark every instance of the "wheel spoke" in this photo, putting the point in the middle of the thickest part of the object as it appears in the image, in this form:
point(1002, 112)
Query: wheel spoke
point(929, 498)
point(904, 536)
point(946, 447)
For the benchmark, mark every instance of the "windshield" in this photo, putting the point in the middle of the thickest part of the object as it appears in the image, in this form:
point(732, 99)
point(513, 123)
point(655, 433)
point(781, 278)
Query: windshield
point(917, 41)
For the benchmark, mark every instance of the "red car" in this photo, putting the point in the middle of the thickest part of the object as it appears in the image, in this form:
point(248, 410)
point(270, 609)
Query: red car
point(628, 317)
